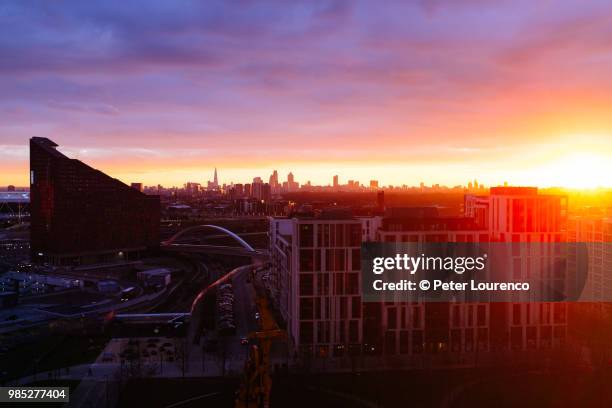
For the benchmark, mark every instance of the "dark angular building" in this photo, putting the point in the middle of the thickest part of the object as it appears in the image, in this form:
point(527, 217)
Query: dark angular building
point(80, 215)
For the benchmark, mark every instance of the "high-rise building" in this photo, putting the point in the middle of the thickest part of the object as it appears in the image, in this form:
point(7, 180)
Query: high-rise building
point(81, 215)
point(593, 227)
point(374, 184)
point(192, 188)
point(316, 275)
point(291, 185)
point(335, 182)
point(213, 185)
point(274, 186)
point(266, 193)
point(257, 188)
point(237, 191)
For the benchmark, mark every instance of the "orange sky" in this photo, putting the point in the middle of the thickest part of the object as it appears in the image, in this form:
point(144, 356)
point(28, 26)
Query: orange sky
point(439, 92)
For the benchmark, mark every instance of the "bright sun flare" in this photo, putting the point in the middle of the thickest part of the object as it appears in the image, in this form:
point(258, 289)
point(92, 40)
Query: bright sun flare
point(577, 170)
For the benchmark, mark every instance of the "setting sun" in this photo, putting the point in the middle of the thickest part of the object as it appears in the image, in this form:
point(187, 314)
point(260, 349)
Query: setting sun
point(577, 170)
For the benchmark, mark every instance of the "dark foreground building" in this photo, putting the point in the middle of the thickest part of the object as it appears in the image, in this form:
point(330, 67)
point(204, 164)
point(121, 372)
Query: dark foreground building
point(80, 215)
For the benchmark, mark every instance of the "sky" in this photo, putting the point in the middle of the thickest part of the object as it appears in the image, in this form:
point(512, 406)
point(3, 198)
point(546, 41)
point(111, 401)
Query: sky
point(440, 91)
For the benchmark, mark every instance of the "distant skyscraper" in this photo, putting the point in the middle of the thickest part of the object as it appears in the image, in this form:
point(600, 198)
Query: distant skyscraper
point(373, 184)
point(291, 185)
point(274, 181)
point(81, 215)
point(214, 185)
point(336, 181)
point(257, 188)
point(266, 193)
point(192, 188)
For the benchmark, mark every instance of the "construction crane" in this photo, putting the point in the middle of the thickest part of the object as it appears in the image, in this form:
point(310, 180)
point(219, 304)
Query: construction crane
point(256, 383)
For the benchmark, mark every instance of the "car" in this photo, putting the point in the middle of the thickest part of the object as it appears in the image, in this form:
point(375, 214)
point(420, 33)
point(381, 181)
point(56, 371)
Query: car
point(244, 341)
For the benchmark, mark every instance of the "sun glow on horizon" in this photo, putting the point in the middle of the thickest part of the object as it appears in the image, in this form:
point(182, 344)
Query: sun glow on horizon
point(580, 170)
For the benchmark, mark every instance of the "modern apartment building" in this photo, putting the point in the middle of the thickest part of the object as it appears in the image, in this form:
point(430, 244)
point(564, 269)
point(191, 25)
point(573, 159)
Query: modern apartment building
point(316, 263)
point(81, 215)
point(593, 227)
point(317, 276)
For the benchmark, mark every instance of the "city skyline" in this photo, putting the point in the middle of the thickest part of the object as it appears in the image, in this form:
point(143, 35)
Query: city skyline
point(439, 92)
point(201, 178)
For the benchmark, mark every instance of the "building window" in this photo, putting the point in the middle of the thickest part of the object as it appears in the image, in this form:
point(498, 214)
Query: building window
point(306, 308)
point(335, 260)
point(481, 318)
point(306, 284)
point(356, 260)
point(306, 260)
point(306, 235)
point(343, 307)
point(355, 238)
point(340, 235)
point(456, 316)
point(339, 283)
point(352, 285)
point(353, 331)
point(356, 307)
point(322, 284)
point(392, 318)
point(516, 314)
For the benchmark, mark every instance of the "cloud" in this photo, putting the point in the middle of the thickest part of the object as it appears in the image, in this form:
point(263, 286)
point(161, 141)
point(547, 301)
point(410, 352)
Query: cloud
point(285, 77)
point(101, 108)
